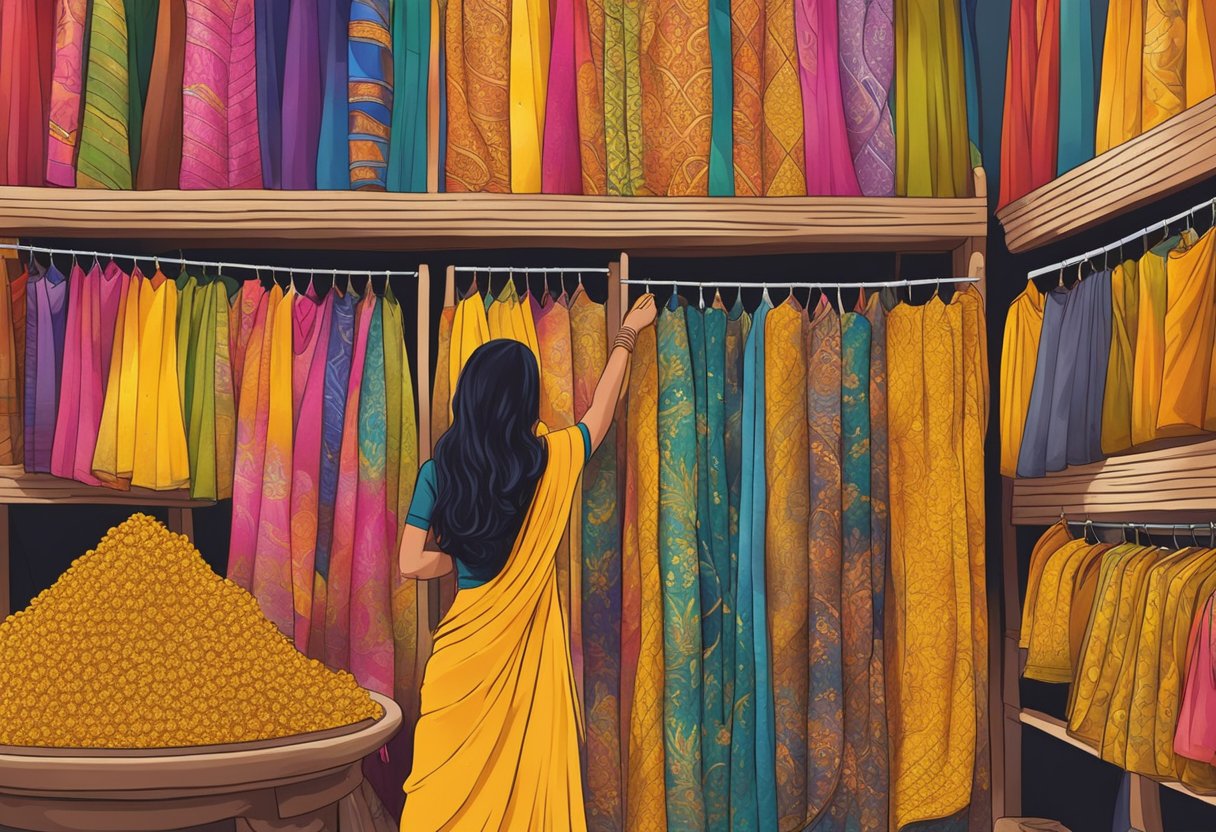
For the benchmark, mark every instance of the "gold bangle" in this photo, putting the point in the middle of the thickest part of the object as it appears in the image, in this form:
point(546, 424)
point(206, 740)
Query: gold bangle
point(626, 338)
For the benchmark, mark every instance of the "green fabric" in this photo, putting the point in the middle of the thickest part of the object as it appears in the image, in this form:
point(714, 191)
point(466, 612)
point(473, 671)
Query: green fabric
point(707, 345)
point(198, 304)
point(407, 151)
point(678, 563)
point(104, 158)
point(722, 132)
point(623, 96)
point(141, 39)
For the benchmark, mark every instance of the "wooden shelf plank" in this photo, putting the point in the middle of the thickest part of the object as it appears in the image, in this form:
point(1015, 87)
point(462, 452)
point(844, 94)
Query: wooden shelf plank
point(1056, 728)
point(18, 487)
point(1171, 156)
point(412, 222)
point(1176, 481)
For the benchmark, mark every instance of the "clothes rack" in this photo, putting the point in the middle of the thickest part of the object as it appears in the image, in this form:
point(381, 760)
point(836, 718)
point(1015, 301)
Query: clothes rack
point(739, 284)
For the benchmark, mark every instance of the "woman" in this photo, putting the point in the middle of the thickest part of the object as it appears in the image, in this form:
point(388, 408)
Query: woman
point(496, 746)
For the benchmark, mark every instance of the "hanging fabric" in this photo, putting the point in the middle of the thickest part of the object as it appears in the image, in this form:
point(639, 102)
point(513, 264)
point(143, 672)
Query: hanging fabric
point(141, 39)
point(787, 455)
point(867, 63)
point(1121, 79)
point(302, 91)
point(937, 372)
point(1150, 338)
point(1079, 64)
point(623, 106)
point(370, 64)
point(560, 163)
point(27, 39)
point(160, 456)
point(932, 158)
point(1117, 397)
point(825, 704)
point(677, 99)
point(104, 159)
point(333, 146)
point(46, 319)
point(271, 31)
point(721, 147)
point(1190, 335)
point(408, 146)
point(478, 113)
point(220, 142)
point(589, 31)
point(67, 86)
point(510, 317)
point(643, 659)
point(160, 153)
point(738, 324)
point(528, 82)
point(1031, 148)
point(829, 162)
point(225, 390)
point(470, 330)
point(783, 154)
point(441, 397)
point(11, 380)
point(1019, 356)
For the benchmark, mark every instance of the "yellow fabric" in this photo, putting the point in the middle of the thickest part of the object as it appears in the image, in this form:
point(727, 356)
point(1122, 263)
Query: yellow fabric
point(510, 317)
point(1047, 659)
point(160, 458)
point(1190, 334)
point(1051, 541)
point(1164, 91)
point(646, 803)
point(469, 331)
point(529, 81)
point(1019, 355)
point(1102, 658)
point(114, 455)
point(1200, 73)
point(937, 648)
point(496, 746)
point(1122, 73)
point(1117, 399)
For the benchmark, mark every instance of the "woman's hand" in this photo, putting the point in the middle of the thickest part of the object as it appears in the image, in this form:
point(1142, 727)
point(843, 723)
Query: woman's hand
point(642, 314)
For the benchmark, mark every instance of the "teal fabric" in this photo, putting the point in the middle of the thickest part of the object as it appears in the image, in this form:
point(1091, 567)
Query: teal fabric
point(722, 134)
point(732, 437)
point(1078, 85)
point(407, 150)
point(679, 566)
point(707, 345)
point(141, 38)
point(748, 788)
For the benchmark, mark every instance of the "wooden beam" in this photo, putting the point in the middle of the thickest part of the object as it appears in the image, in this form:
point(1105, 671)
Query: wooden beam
point(1171, 156)
point(6, 575)
point(18, 487)
point(181, 521)
point(1007, 785)
point(393, 221)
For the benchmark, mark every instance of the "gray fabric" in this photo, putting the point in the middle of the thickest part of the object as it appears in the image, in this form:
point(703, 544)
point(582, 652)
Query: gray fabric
point(1032, 457)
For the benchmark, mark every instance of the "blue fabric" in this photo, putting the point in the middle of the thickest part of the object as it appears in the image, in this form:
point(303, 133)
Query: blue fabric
point(1079, 74)
point(333, 149)
point(271, 19)
point(333, 416)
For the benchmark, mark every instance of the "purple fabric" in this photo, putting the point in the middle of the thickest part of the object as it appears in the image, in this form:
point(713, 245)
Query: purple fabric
point(301, 98)
point(867, 66)
point(46, 323)
point(270, 18)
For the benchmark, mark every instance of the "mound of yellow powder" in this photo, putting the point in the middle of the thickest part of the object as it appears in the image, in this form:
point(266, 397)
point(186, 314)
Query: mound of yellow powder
point(140, 645)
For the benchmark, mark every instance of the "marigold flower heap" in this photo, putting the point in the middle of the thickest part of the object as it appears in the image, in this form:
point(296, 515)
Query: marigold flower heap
point(139, 644)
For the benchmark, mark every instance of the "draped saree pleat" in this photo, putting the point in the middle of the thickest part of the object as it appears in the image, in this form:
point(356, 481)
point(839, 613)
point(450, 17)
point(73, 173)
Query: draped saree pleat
point(646, 802)
point(1077, 100)
point(333, 146)
point(67, 86)
point(11, 440)
point(867, 63)
point(478, 60)
point(141, 40)
point(301, 111)
point(104, 159)
point(560, 173)
point(528, 82)
point(220, 142)
point(787, 574)
point(271, 38)
point(829, 162)
point(824, 713)
point(623, 131)
point(408, 142)
point(679, 565)
point(46, 321)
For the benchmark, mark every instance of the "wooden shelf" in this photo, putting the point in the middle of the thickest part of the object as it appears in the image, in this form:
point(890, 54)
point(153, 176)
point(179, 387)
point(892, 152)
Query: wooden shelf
point(412, 222)
point(1056, 728)
point(1177, 481)
point(1171, 156)
point(18, 487)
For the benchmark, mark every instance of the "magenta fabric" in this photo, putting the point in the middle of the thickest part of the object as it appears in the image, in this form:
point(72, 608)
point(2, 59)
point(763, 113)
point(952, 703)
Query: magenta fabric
point(829, 162)
point(1195, 737)
point(251, 423)
point(561, 167)
point(67, 85)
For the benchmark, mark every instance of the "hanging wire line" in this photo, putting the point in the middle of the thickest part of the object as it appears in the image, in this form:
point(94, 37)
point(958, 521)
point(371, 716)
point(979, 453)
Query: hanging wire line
point(805, 284)
point(525, 270)
point(1205, 528)
point(258, 269)
point(1130, 238)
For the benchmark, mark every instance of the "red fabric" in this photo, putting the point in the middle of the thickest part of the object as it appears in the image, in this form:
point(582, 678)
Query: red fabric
point(27, 39)
point(1032, 98)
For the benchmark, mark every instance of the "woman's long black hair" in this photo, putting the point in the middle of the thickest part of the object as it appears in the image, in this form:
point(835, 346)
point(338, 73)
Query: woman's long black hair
point(489, 461)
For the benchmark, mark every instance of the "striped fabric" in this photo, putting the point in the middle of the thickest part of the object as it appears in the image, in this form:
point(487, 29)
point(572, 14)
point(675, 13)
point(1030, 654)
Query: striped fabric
point(105, 160)
point(66, 87)
point(370, 93)
point(220, 146)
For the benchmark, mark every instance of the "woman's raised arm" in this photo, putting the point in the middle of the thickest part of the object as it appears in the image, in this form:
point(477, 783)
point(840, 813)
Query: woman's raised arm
point(598, 417)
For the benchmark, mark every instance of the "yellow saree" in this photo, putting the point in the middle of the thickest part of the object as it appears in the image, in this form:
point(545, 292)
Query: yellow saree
point(469, 331)
point(502, 652)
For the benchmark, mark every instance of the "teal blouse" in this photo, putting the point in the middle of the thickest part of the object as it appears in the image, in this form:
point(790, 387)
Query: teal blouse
point(423, 504)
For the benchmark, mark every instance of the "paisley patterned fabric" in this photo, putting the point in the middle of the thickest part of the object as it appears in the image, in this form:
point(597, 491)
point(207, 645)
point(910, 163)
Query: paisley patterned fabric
point(678, 563)
point(747, 84)
point(787, 576)
point(677, 98)
point(737, 327)
point(867, 64)
point(825, 714)
point(783, 159)
point(829, 161)
point(623, 131)
point(477, 40)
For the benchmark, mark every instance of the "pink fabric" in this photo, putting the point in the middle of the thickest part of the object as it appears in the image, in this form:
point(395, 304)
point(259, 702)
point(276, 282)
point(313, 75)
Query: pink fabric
point(310, 338)
point(240, 328)
point(67, 84)
point(338, 595)
point(829, 161)
point(67, 418)
point(220, 146)
point(272, 573)
point(250, 442)
point(1195, 737)
point(561, 167)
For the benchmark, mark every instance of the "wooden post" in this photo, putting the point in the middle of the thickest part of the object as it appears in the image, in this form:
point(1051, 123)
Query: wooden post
point(449, 287)
point(1006, 734)
point(6, 587)
point(618, 294)
point(181, 521)
point(969, 258)
point(1144, 804)
point(422, 387)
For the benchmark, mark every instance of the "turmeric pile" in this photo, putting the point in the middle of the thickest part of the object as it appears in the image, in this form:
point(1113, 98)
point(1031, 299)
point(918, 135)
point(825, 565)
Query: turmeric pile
point(139, 644)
